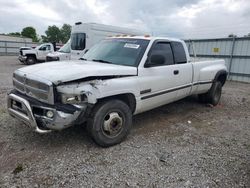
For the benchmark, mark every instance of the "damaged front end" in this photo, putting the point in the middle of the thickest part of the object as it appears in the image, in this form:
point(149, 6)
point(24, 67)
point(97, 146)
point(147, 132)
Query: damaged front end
point(47, 106)
point(43, 117)
point(71, 105)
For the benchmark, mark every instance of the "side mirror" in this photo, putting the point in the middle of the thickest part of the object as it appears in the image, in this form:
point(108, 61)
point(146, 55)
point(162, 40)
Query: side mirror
point(155, 60)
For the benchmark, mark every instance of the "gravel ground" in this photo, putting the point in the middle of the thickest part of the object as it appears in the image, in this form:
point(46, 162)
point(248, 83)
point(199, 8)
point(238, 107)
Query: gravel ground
point(184, 144)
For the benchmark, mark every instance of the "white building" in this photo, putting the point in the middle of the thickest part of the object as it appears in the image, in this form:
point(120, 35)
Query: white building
point(14, 39)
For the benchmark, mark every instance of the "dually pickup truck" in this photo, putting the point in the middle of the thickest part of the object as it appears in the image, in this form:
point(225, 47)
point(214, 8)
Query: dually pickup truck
point(31, 56)
point(116, 79)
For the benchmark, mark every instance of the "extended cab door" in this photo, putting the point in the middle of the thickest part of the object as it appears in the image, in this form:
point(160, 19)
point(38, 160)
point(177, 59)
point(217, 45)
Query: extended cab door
point(157, 79)
point(183, 70)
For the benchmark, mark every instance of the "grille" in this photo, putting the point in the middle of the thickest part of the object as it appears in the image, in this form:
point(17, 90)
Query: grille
point(42, 91)
point(21, 52)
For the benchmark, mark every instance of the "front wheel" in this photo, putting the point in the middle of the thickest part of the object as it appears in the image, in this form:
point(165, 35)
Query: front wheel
point(110, 122)
point(213, 95)
point(30, 60)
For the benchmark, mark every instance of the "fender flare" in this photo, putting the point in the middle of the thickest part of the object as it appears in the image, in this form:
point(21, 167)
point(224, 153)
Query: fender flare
point(219, 73)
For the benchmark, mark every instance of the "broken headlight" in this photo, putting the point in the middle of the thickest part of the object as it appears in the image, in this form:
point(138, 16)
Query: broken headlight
point(73, 98)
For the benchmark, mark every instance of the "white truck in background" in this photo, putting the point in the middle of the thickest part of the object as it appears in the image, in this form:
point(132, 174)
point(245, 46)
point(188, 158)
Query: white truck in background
point(84, 36)
point(116, 79)
point(31, 56)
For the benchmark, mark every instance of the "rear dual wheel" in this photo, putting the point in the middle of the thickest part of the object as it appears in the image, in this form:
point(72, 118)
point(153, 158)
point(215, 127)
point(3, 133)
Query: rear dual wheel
point(213, 95)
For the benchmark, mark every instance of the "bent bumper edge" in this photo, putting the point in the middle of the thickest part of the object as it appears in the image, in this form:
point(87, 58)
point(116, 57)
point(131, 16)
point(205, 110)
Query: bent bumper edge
point(28, 117)
point(23, 112)
point(22, 58)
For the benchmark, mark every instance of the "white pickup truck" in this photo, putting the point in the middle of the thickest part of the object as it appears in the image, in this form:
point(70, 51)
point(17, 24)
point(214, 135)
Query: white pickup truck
point(32, 56)
point(117, 78)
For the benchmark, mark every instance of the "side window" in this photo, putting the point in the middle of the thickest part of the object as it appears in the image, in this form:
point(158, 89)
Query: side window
point(179, 53)
point(48, 47)
point(42, 48)
point(164, 49)
point(78, 41)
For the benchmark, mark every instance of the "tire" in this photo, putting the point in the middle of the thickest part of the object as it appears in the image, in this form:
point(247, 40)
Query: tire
point(213, 95)
point(30, 60)
point(202, 98)
point(110, 123)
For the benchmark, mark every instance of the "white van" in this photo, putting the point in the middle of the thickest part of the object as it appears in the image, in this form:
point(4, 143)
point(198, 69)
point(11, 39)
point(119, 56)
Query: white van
point(85, 35)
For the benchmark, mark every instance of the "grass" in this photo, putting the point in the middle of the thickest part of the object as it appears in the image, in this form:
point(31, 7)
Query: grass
point(18, 169)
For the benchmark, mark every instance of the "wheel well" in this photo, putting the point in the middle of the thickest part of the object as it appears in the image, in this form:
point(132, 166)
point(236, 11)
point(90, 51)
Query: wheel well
point(127, 98)
point(222, 78)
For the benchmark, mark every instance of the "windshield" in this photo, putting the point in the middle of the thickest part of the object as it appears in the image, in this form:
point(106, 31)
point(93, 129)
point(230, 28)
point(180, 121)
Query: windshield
point(78, 41)
point(39, 46)
point(65, 48)
point(43, 47)
point(120, 51)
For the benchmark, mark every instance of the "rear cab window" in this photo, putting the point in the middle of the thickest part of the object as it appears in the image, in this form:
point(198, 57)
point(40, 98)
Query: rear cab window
point(179, 52)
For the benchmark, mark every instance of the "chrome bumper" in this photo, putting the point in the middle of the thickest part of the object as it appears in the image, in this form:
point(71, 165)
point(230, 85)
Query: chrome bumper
point(22, 58)
point(24, 113)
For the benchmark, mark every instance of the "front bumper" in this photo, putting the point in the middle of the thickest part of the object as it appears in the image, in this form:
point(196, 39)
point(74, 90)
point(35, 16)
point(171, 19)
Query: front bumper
point(35, 115)
point(22, 58)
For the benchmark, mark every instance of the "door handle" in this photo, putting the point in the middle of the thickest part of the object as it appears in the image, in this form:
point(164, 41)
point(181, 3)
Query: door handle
point(78, 53)
point(176, 72)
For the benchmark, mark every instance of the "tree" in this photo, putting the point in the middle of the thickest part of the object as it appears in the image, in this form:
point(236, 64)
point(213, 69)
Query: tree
point(52, 34)
point(30, 32)
point(44, 38)
point(232, 35)
point(15, 34)
point(65, 33)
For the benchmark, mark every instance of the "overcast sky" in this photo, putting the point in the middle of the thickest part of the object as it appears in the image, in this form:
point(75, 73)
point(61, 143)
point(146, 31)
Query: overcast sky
point(175, 18)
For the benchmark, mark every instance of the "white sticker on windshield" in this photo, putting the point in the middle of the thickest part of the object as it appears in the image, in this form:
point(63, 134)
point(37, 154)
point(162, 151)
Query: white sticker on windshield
point(128, 45)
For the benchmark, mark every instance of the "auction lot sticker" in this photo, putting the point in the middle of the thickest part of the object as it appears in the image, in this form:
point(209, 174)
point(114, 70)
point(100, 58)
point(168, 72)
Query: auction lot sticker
point(128, 45)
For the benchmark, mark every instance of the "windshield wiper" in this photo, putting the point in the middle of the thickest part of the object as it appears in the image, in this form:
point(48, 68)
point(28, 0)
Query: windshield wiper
point(83, 59)
point(102, 61)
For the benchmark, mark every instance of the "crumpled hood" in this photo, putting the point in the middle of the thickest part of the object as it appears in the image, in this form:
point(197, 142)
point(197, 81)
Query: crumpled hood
point(64, 71)
point(31, 51)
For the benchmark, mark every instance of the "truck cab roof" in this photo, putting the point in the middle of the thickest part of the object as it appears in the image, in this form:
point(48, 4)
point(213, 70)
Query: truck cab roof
point(147, 37)
point(152, 39)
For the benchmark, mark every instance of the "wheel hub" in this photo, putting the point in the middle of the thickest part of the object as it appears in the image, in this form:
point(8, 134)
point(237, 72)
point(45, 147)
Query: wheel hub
point(112, 124)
